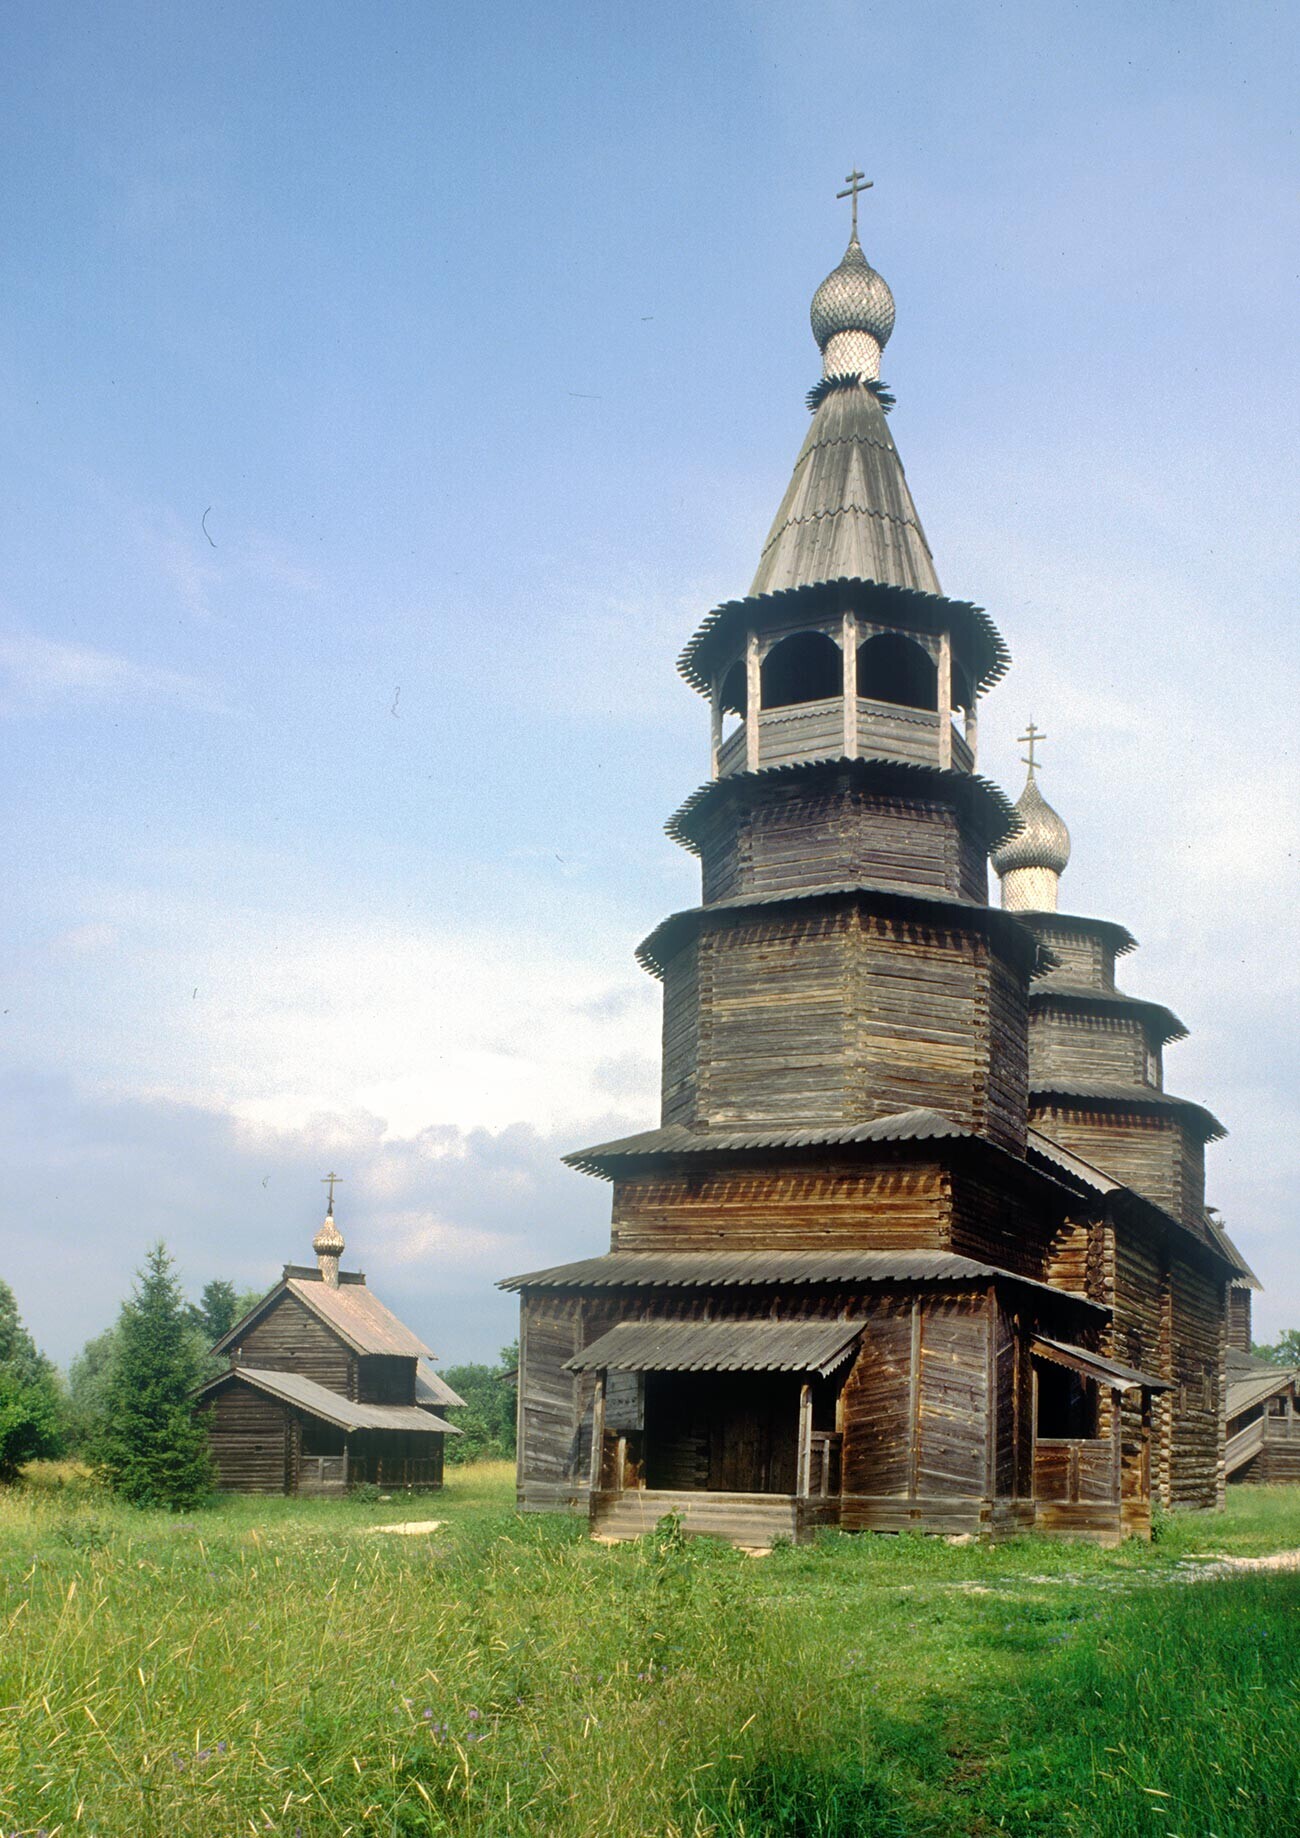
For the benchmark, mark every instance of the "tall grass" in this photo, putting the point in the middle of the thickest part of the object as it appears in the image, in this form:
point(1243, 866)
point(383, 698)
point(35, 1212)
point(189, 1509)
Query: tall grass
point(271, 1667)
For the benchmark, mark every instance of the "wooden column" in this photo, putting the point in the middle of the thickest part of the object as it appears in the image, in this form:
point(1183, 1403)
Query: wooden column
point(598, 1432)
point(991, 1383)
point(715, 736)
point(914, 1404)
point(849, 641)
point(803, 1471)
point(973, 730)
point(753, 696)
point(945, 698)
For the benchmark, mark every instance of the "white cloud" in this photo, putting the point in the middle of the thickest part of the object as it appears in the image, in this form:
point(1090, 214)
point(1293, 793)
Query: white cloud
point(38, 674)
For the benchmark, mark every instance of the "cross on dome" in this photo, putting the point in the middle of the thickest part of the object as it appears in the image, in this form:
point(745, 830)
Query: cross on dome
point(331, 1179)
point(855, 183)
point(1030, 735)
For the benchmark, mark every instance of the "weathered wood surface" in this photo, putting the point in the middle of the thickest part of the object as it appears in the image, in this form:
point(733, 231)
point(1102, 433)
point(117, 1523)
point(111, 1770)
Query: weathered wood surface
point(1068, 1043)
point(249, 1436)
point(385, 1379)
point(1152, 1152)
point(837, 1205)
point(821, 1014)
point(805, 834)
point(289, 1338)
point(1085, 955)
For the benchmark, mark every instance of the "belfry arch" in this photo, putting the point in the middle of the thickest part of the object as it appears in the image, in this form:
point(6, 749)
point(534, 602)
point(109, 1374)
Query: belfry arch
point(894, 668)
point(806, 667)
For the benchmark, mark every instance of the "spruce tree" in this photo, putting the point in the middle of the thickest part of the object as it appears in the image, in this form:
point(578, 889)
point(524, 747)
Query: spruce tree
point(153, 1445)
point(31, 1407)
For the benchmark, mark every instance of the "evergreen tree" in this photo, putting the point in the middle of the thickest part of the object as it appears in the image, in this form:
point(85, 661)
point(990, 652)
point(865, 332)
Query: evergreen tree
point(31, 1407)
point(153, 1447)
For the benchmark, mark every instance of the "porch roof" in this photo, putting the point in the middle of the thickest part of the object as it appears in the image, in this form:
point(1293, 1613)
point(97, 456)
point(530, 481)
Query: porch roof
point(720, 1346)
point(1251, 1388)
point(1107, 1372)
point(305, 1394)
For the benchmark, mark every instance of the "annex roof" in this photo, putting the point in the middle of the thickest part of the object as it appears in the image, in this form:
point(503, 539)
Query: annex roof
point(432, 1388)
point(777, 1269)
point(330, 1407)
point(1250, 1388)
point(352, 1311)
point(1106, 1371)
point(720, 1346)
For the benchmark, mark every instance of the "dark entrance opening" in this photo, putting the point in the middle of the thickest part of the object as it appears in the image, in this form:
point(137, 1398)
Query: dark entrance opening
point(722, 1432)
point(1067, 1403)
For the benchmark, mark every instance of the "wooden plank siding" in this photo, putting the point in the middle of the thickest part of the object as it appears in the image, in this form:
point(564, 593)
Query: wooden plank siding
point(1154, 1154)
point(824, 1014)
point(803, 834)
point(1199, 1311)
point(1068, 1043)
point(836, 1205)
point(289, 1338)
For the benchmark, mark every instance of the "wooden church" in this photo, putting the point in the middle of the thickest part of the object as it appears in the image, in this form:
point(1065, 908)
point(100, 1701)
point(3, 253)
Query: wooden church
point(326, 1389)
point(920, 1240)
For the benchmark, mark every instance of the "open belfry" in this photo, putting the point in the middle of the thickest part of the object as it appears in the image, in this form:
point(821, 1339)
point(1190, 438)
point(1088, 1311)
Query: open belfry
point(921, 1239)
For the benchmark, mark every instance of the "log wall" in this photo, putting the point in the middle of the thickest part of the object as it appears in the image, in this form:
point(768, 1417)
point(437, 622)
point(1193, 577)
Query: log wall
point(1102, 1048)
point(800, 834)
point(291, 1339)
point(249, 1436)
point(1199, 1342)
point(1152, 1153)
point(836, 1014)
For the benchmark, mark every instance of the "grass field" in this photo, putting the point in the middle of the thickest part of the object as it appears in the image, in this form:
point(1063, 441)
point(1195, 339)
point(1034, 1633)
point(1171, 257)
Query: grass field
point(268, 1666)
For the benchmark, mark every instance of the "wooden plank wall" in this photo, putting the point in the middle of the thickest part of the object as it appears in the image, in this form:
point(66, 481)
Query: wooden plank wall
point(1086, 959)
point(1071, 1044)
point(550, 1476)
point(385, 1379)
point(916, 1446)
point(679, 1076)
point(1239, 1318)
point(1153, 1154)
point(1199, 1340)
point(291, 1339)
point(836, 1205)
point(825, 1014)
point(813, 833)
point(249, 1438)
point(995, 1223)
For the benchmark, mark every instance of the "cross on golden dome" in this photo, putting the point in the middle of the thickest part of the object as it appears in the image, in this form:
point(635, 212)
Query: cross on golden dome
point(1032, 735)
point(331, 1179)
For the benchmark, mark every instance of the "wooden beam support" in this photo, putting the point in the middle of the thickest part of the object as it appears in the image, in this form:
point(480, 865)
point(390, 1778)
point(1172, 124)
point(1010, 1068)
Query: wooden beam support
point(598, 1432)
point(945, 698)
point(803, 1473)
point(914, 1404)
point(753, 699)
point(849, 642)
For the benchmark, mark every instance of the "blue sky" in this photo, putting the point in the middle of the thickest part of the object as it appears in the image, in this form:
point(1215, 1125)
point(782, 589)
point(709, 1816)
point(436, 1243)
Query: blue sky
point(390, 392)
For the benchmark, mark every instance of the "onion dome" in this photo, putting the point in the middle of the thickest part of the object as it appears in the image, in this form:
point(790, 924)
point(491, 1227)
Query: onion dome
point(852, 316)
point(329, 1247)
point(1031, 862)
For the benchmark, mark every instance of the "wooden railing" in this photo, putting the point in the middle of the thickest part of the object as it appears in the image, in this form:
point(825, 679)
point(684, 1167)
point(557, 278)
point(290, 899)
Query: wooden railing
point(824, 1463)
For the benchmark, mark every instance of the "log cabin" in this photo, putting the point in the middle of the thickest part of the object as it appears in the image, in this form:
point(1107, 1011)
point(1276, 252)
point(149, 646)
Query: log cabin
point(920, 1239)
point(326, 1389)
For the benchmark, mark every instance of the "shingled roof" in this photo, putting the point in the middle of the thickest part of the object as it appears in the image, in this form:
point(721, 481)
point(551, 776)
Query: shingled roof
point(847, 509)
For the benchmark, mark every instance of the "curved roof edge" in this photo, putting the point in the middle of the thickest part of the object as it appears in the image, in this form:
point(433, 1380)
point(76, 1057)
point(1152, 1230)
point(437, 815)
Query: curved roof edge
point(661, 945)
point(1079, 995)
point(1121, 939)
point(976, 797)
point(1128, 1097)
point(989, 658)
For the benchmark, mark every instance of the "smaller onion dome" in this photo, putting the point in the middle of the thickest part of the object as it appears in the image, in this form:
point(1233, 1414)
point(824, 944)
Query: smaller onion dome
point(1030, 863)
point(1042, 841)
point(329, 1247)
point(853, 298)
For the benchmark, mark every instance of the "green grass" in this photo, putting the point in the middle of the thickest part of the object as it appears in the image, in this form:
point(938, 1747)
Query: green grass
point(269, 1667)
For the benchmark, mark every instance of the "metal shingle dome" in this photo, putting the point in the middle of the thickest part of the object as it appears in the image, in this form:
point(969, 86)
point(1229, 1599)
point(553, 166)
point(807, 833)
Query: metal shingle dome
point(853, 298)
point(1042, 841)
